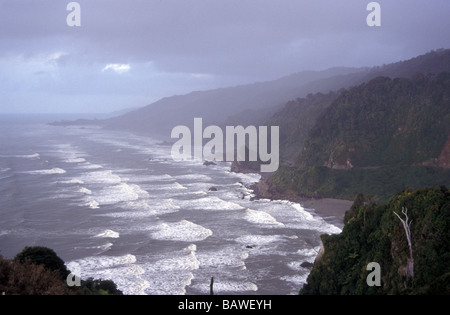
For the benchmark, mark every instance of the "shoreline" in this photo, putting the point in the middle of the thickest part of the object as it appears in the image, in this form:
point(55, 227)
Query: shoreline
point(330, 209)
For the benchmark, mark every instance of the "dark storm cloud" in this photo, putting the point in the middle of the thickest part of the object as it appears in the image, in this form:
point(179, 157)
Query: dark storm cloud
point(146, 49)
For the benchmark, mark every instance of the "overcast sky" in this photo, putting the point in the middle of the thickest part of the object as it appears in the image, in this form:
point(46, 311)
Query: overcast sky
point(129, 53)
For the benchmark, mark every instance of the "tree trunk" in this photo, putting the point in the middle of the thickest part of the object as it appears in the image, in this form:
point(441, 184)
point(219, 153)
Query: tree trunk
point(407, 226)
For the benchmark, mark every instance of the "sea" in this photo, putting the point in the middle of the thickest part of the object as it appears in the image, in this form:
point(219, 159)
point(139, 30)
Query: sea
point(115, 205)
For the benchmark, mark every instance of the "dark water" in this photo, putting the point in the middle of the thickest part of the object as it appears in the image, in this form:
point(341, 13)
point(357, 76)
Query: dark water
point(116, 206)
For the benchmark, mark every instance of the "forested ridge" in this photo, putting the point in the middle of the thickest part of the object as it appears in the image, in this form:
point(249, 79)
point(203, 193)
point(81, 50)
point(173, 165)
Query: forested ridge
point(376, 138)
point(374, 232)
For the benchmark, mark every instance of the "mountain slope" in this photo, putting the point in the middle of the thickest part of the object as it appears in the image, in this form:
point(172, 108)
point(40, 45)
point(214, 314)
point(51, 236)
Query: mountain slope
point(261, 100)
point(384, 122)
point(297, 117)
point(375, 138)
point(254, 104)
point(226, 105)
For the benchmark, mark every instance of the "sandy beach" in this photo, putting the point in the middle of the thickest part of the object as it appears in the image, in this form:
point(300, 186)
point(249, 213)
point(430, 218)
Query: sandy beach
point(329, 207)
point(332, 210)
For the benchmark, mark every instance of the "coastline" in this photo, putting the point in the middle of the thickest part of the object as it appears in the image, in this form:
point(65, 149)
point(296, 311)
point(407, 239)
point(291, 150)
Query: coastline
point(330, 209)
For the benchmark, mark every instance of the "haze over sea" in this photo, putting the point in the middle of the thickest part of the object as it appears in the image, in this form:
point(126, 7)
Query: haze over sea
point(118, 207)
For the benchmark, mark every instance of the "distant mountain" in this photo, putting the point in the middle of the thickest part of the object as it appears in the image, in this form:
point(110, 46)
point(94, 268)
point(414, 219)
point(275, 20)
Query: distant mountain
point(120, 112)
point(296, 119)
point(254, 104)
point(233, 105)
point(298, 116)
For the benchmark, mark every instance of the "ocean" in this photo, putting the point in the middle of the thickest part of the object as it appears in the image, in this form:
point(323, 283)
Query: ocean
point(115, 205)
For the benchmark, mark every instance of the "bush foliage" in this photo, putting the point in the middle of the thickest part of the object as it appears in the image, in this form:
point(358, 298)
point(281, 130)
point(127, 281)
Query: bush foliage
point(39, 271)
point(376, 138)
point(372, 233)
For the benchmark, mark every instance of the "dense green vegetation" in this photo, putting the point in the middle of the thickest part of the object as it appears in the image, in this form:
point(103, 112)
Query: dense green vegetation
point(39, 271)
point(44, 256)
point(324, 182)
point(296, 119)
point(373, 233)
point(383, 122)
point(376, 138)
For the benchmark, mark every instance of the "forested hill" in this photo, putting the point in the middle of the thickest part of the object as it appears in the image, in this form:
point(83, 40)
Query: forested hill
point(254, 104)
point(375, 138)
point(384, 122)
point(374, 233)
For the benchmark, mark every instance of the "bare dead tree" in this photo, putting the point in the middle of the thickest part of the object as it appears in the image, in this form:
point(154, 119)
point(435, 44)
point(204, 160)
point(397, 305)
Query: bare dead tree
point(407, 226)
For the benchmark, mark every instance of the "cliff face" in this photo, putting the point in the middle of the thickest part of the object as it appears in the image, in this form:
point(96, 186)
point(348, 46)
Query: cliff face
point(376, 138)
point(383, 122)
point(373, 233)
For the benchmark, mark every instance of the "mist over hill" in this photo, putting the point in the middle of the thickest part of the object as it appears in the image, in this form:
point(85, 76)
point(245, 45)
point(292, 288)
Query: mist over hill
point(256, 103)
point(376, 138)
point(245, 104)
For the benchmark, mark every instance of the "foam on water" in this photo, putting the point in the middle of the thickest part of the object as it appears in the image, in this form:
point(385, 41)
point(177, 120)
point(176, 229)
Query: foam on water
point(261, 217)
point(173, 283)
point(171, 274)
point(93, 204)
point(194, 177)
point(90, 166)
point(160, 206)
point(75, 160)
point(104, 247)
point(225, 257)
point(186, 261)
point(123, 270)
point(53, 171)
point(199, 186)
point(167, 186)
point(145, 198)
point(246, 178)
point(223, 286)
point(294, 216)
point(164, 205)
point(305, 215)
point(181, 231)
point(22, 156)
point(209, 203)
point(200, 192)
point(71, 181)
point(108, 234)
point(259, 239)
point(118, 193)
point(100, 177)
point(131, 215)
point(84, 190)
point(309, 252)
point(298, 280)
point(142, 177)
point(177, 185)
point(68, 153)
point(4, 173)
point(143, 208)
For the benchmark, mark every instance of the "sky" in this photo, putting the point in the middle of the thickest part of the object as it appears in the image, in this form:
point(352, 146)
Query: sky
point(130, 53)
